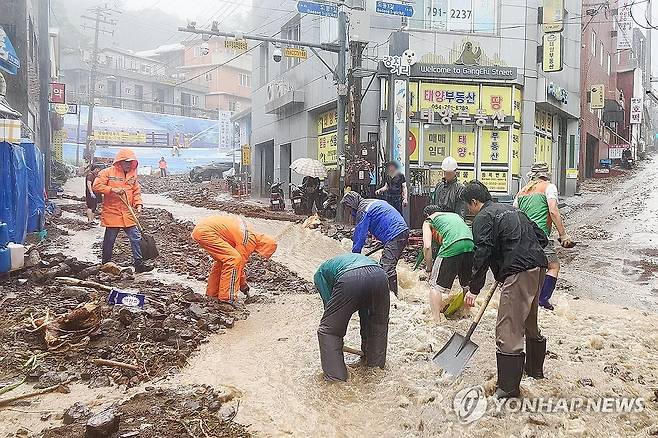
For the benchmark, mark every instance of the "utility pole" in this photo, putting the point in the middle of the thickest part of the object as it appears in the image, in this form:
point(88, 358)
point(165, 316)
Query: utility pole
point(339, 74)
point(101, 14)
point(340, 110)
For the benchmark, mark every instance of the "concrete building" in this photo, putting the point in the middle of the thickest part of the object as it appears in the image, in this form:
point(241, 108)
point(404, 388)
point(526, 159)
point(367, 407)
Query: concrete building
point(216, 65)
point(131, 81)
point(25, 23)
point(475, 89)
point(634, 81)
point(600, 127)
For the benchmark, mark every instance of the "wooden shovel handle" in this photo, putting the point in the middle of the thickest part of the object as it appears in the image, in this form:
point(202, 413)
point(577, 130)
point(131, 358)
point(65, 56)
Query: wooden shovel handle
point(483, 307)
point(130, 209)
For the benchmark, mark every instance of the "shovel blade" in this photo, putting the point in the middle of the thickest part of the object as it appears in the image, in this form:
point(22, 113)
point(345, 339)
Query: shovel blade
point(453, 357)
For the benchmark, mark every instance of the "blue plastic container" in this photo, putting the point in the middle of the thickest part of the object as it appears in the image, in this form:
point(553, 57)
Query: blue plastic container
point(5, 260)
point(4, 234)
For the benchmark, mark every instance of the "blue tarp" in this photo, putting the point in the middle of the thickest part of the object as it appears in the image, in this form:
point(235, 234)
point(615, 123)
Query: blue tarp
point(35, 186)
point(13, 191)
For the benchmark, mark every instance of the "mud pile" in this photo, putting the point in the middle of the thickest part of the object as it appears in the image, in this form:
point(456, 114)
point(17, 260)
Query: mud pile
point(182, 255)
point(153, 341)
point(211, 195)
point(196, 411)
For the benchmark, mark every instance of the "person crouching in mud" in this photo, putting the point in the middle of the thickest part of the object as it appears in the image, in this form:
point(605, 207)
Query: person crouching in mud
point(512, 245)
point(230, 241)
point(386, 224)
point(349, 283)
point(455, 256)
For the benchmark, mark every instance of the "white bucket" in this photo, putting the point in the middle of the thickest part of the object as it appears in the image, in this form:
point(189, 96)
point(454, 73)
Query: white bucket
point(17, 253)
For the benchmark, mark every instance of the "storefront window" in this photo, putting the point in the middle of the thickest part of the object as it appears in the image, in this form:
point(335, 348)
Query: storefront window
point(475, 124)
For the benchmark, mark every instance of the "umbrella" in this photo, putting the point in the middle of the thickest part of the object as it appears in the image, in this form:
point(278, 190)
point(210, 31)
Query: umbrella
point(309, 167)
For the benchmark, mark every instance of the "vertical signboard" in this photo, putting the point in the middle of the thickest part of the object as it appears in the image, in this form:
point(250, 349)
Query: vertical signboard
point(400, 107)
point(636, 110)
point(624, 25)
point(552, 47)
point(553, 15)
point(597, 96)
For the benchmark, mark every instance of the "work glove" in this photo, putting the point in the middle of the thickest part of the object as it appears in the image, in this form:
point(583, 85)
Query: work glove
point(566, 242)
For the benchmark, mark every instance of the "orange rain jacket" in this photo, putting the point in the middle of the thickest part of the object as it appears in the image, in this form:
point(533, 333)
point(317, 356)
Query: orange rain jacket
point(115, 214)
point(230, 241)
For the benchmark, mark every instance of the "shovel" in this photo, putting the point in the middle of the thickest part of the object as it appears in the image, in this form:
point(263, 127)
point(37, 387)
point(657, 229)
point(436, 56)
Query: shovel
point(456, 353)
point(147, 243)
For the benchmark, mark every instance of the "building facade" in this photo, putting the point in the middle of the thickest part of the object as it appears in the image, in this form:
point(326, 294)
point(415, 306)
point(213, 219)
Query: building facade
point(474, 89)
point(221, 66)
point(602, 102)
point(130, 81)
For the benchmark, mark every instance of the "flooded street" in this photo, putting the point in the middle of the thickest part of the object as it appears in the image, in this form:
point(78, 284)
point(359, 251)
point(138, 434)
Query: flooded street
point(616, 225)
point(602, 338)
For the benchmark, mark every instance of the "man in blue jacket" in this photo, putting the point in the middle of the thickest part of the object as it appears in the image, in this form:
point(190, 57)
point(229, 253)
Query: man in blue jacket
point(386, 224)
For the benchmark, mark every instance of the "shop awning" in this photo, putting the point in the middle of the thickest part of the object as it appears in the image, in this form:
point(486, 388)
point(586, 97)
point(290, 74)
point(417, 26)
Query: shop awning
point(9, 62)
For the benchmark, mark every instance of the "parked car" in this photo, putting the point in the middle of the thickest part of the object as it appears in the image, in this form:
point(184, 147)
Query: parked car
point(208, 172)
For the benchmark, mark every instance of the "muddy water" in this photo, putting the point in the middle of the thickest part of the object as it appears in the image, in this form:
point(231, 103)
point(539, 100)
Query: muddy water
point(273, 356)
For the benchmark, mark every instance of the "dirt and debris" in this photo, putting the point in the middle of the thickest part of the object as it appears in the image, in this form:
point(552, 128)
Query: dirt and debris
point(183, 256)
point(213, 196)
point(195, 411)
point(51, 332)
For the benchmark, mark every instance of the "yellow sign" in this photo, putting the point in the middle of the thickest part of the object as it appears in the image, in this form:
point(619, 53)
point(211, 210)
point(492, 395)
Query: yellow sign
point(455, 97)
point(246, 155)
point(553, 16)
point(463, 145)
point(58, 144)
point(294, 52)
point(572, 173)
point(597, 96)
point(435, 143)
point(119, 137)
point(61, 108)
point(414, 139)
point(465, 176)
point(518, 99)
point(328, 121)
point(495, 147)
point(516, 152)
point(328, 149)
point(236, 44)
point(494, 180)
point(496, 100)
point(552, 47)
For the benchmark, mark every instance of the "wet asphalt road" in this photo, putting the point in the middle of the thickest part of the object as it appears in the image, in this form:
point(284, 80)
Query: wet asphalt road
point(615, 223)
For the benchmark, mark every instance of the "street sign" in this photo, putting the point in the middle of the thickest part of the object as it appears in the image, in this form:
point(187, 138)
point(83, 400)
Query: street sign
point(236, 44)
point(57, 93)
point(394, 9)
point(325, 10)
point(597, 93)
point(294, 52)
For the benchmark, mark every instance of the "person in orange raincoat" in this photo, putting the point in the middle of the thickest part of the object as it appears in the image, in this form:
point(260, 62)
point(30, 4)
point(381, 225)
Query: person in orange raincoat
point(117, 182)
point(230, 241)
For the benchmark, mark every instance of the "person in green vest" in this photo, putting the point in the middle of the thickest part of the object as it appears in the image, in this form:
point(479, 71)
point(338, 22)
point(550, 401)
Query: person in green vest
point(455, 256)
point(539, 201)
point(349, 283)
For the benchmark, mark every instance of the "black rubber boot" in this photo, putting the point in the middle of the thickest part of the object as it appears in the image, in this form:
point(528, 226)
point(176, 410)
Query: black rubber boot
point(535, 354)
point(510, 371)
point(141, 267)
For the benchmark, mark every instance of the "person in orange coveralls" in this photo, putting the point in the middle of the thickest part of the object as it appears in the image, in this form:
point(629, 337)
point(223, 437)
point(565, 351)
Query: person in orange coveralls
point(116, 182)
point(230, 241)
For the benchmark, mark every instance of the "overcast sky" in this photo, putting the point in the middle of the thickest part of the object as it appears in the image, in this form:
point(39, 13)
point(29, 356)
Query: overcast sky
point(198, 10)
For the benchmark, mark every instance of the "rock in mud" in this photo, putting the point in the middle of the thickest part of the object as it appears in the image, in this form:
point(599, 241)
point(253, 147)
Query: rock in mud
point(100, 382)
point(77, 412)
point(51, 378)
point(102, 425)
